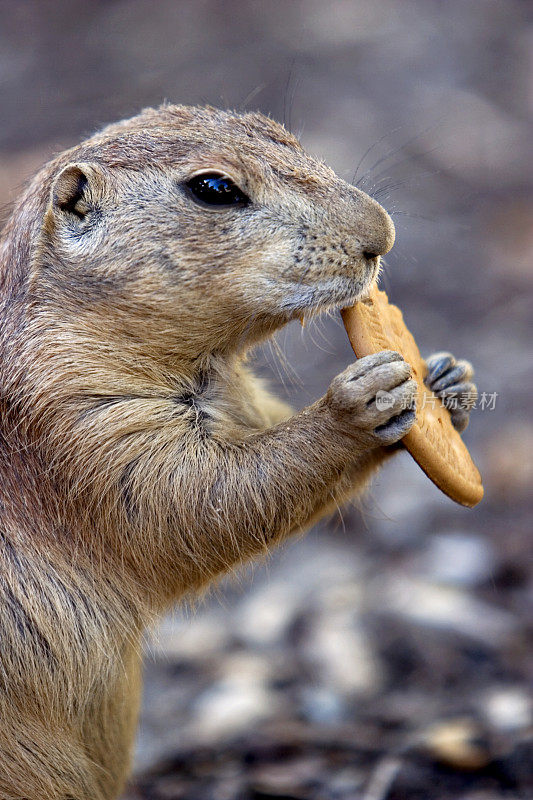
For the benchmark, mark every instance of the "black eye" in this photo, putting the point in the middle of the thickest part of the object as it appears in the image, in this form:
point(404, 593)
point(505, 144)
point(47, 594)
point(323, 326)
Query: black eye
point(216, 190)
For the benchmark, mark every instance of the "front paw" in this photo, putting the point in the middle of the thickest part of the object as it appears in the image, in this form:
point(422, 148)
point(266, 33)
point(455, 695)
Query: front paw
point(451, 380)
point(374, 399)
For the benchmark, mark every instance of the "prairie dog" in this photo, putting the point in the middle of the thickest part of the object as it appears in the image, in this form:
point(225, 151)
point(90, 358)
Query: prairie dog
point(139, 457)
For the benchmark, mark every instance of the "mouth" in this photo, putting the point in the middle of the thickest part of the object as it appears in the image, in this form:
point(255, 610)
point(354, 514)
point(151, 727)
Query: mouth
point(332, 294)
point(375, 265)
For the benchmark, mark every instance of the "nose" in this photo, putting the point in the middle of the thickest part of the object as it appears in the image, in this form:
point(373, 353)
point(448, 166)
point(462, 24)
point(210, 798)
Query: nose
point(379, 233)
point(372, 226)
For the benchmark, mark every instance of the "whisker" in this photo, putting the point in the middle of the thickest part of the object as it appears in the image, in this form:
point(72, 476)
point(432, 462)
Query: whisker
point(413, 216)
point(396, 150)
point(405, 182)
point(369, 149)
point(250, 96)
point(280, 365)
point(409, 157)
point(288, 108)
point(317, 327)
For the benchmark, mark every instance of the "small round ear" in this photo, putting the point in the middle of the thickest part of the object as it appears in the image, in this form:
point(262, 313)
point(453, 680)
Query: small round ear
point(74, 190)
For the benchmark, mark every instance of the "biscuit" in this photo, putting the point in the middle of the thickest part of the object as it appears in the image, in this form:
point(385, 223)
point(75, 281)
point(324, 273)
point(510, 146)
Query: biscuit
point(374, 324)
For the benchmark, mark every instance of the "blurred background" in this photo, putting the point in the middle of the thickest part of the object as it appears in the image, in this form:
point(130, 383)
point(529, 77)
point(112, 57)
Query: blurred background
point(387, 654)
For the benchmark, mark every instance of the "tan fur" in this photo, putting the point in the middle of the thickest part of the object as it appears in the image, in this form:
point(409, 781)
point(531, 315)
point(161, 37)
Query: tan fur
point(139, 457)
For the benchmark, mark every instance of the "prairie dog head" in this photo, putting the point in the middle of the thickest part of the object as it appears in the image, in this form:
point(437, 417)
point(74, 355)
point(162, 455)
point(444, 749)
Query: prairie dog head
point(202, 228)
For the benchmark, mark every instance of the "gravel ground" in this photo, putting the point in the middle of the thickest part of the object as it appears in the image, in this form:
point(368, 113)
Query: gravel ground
point(387, 655)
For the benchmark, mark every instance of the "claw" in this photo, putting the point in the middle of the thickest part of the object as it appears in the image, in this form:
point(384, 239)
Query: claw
point(460, 420)
point(453, 377)
point(449, 379)
point(396, 427)
point(438, 364)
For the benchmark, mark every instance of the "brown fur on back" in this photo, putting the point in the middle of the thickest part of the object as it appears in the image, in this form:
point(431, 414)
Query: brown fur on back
point(139, 457)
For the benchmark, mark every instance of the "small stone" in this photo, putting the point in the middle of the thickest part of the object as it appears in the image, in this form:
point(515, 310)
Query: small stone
point(457, 743)
point(338, 647)
point(245, 669)
point(238, 699)
point(509, 709)
point(458, 558)
point(287, 778)
point(264, 617)
point(446, 607)
point(195, 638)
point(230, 708)
point(321, 705)
point(346, 782)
